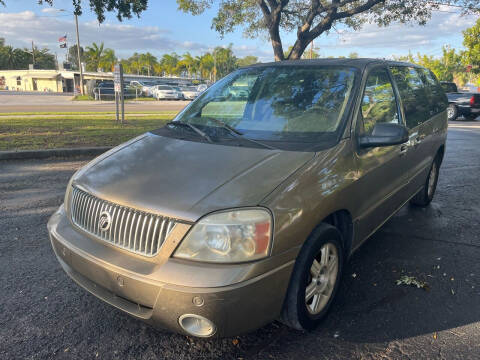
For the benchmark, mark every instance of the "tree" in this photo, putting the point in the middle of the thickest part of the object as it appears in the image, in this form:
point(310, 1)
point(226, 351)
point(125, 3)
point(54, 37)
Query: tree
point(93, 56)
point(309, 19)
point(73, 56)
point(247, 60)
point(471, 41)
point(147, 61)
point(108, 60)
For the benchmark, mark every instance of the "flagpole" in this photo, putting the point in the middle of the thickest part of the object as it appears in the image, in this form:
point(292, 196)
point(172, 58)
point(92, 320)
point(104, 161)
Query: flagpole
point(78, 55)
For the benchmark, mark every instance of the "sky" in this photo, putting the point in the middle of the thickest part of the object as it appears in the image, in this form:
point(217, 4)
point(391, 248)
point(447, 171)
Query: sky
point(164, 29)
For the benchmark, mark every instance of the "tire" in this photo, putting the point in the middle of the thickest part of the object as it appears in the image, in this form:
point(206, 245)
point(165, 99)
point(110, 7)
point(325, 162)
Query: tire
point(452, 112)
point(425, 196)
point(299, 310)
point(471, 117)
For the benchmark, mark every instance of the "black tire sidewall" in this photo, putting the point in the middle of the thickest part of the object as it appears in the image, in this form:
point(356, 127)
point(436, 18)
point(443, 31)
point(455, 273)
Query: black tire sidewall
point(296, 294)
point(437, 165)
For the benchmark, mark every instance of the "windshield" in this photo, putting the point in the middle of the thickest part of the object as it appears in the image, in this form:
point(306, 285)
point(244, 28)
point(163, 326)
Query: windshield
point(277, 103)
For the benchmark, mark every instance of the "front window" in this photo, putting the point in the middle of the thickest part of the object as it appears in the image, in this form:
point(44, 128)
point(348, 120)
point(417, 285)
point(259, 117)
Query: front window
point(280, 104)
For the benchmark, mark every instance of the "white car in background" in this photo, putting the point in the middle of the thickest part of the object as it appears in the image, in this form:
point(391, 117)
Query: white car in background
point(202, 88)
point(145, 87)
point(189, 92)
point(166, 92)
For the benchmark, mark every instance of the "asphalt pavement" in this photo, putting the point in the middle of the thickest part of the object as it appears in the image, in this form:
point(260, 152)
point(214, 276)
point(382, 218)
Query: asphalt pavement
point(45, 315)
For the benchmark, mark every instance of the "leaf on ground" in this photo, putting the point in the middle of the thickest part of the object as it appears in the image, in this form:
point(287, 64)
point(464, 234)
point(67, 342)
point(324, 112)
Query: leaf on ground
point(412, 281)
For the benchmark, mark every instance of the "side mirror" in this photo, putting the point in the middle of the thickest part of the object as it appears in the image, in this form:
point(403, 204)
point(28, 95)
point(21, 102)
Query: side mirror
point(384, 134)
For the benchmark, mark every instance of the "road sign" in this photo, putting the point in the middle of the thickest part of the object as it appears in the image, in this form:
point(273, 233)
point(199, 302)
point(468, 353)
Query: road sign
point(119, 86)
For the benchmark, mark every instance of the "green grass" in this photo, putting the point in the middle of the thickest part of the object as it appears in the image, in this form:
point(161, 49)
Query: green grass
point(21, 133)
point(83, 113)
point(83, 98)
point(142, 99)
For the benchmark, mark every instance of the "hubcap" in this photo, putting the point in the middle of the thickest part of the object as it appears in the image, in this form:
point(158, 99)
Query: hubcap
point(321, 282)
point(431, 180)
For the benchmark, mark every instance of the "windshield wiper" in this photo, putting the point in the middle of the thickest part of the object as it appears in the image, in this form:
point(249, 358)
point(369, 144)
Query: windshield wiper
point(190, 126)
point(237, 133)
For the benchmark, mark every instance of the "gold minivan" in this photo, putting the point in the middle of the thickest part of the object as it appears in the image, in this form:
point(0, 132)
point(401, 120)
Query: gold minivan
point(246, 206)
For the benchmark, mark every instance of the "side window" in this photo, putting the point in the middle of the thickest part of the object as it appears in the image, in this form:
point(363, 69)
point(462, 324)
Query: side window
point(438, 99)
point(413, 94)
point(379, 104)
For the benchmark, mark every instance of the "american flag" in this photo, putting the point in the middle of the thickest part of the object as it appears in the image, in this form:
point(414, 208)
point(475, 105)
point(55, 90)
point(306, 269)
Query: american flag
point(62, 39)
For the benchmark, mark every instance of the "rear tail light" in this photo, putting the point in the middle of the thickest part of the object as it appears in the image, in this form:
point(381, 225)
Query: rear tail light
point(474, 100)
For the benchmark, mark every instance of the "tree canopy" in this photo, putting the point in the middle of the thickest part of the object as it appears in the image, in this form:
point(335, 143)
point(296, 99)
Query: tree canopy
point(312, 18)
point(309, 18)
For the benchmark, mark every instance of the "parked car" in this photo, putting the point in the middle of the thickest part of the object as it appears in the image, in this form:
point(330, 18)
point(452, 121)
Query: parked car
point(166, 92)
point(202, 87)
point(461, 103)
point(105, 90)
point(144, 86)
point(243, 211)
point(189, 92)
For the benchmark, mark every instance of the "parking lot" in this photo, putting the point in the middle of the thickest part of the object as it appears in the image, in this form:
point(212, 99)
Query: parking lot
point(29, 102)
point(45, 315)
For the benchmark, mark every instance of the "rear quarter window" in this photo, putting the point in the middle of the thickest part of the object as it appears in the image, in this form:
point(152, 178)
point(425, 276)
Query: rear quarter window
point(436, 93)
point(414, 94)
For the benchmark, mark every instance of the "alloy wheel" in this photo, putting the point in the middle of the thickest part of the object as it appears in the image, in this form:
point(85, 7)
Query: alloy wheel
point(322, 279)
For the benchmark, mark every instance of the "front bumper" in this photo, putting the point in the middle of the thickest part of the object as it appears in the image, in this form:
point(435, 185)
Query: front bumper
point(160, 293)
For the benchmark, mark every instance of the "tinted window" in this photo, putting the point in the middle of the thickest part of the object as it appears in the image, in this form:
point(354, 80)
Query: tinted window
point(379, 104)
point(277, 103)
point(413, 93)
point(449, 87)
point(438, 99)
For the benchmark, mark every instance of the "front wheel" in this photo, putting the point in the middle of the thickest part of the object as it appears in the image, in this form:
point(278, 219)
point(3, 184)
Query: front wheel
point(425, 196)
point(315, 279)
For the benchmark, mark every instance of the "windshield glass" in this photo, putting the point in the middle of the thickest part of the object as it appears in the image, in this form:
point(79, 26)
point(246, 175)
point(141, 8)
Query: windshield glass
point(277, 103)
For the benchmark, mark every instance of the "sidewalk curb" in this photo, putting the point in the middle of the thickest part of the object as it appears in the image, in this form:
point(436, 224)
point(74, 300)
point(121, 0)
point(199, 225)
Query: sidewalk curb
point(43, 154)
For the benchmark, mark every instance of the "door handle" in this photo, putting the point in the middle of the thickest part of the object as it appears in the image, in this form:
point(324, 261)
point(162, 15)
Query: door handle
point(403, 149)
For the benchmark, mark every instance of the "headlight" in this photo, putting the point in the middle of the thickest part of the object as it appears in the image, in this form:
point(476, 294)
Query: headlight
point(225, 237)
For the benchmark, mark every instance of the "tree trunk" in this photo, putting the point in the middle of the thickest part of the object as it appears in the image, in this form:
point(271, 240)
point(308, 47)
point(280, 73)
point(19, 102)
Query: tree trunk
point(298, 49)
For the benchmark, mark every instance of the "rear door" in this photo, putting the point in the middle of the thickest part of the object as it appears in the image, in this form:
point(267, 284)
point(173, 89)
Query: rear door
point(419, 109)
point(383, 169)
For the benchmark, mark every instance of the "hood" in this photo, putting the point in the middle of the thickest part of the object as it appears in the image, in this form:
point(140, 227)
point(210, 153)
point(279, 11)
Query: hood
point(186, 179)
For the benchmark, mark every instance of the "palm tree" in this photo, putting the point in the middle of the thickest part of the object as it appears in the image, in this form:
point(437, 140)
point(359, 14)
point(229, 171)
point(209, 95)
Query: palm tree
point(93, 56)
point(206, 65)
point(148, 61)
point(108, 60)
point(169, 63)
point(11, 58)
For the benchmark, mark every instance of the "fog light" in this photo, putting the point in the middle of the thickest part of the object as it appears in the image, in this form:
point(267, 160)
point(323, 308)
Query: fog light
point(197, 325)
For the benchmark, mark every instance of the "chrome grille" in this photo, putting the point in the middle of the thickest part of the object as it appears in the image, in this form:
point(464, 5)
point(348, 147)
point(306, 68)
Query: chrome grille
point(130, 229)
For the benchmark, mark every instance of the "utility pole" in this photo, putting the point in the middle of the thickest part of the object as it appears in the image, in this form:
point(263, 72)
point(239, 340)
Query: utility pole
point(33, 54)
point(311, 51)
point(78, 56)
point(214, 66)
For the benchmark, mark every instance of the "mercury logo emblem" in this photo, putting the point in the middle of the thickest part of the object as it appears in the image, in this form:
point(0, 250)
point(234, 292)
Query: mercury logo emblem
point(105, 221)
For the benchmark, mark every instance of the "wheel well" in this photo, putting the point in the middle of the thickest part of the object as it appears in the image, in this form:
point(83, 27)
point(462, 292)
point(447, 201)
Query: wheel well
point(342, 220)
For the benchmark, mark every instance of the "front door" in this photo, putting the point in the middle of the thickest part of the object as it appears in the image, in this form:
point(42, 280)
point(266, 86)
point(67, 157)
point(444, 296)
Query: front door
point(383, 170)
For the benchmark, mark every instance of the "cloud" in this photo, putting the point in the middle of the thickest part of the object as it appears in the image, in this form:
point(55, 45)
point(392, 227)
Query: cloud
point(444, 27)
point(19, 29)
